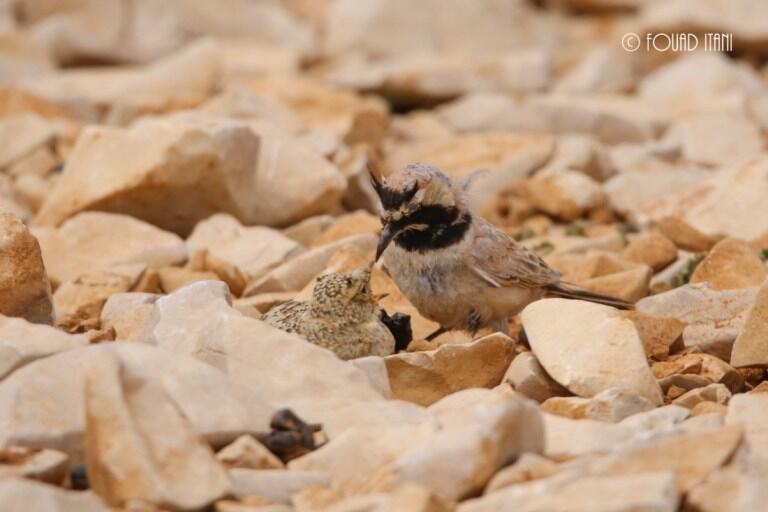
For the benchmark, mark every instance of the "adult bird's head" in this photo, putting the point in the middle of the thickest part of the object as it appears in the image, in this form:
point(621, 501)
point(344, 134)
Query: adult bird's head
point(420, 207)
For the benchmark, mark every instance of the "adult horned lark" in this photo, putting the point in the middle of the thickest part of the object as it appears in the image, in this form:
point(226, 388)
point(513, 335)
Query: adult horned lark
point(342, 316)
point(454, 266)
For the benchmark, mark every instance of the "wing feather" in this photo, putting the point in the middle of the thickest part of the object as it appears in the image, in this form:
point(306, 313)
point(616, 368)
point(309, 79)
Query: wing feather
point(501, 261)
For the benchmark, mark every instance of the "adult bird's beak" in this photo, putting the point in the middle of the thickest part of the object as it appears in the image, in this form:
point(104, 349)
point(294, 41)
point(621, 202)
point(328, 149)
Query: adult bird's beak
point(387, 234)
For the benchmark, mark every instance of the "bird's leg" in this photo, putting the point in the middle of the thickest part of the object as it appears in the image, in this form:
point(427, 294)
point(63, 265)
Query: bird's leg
point(437, 333)
point(522, 338)
point(503, 326)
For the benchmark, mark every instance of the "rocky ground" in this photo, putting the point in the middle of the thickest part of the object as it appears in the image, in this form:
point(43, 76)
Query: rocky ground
point(169, 171)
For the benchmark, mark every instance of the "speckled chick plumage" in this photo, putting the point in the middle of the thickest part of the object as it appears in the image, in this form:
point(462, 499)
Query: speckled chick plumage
point(342, 316)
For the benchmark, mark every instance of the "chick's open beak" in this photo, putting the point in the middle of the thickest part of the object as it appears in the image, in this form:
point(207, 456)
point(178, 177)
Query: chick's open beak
point(387, 234)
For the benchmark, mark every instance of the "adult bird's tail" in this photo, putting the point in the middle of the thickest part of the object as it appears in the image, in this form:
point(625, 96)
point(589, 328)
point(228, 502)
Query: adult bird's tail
point(569, 291)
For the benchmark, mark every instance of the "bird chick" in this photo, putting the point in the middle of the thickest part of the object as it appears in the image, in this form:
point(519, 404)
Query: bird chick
point(342, 316)
point(454, 266)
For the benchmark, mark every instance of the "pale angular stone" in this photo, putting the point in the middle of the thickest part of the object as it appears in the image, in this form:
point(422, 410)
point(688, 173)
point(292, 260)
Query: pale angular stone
point(685, 236)
point(651, 491)
point(684, 382)
point(276, 485)
point(629, 285)
point(381, 444)
point(241, 103)
point(486, 112)
point(15, 101)
point(716, 393)
point(263, 302)
point(173, 278)
point(218, 165)
point(707, 366)
point(246, 452)
point(691, 456)
point(634, 193)
point(750, 411)
point(22, 134)
point(251, 504)
point(12, 201)
point(286, 192)
point(581, 267)
point(745, 20)
point(508, 427)
point(705, 74)
point(659, 334)
point(564, 194)
point(567, 438)
point(18, 494)
point(24, 288)
point(254, 250)
point(444, 453)
point(375, 368)
point(610, 118)
point(730, 264)
point(611, 405)
point(305, 231)
point(127, 313)
point(605, 69)
point(751, 345)
point(433, 77)
point(729, 490)
point(662, 155)
point(650, 248)
point(197, 320)
point(716, 139)
point(528, 467)
point(44, 401)
point(23, 342)
point(469, 28)
point(117, 96)
point(709, 409)
point(527, 377)
point(295, 274)
point(426, 377)
point(92, 241)
point(49, 466)
point(728, 203)
point(354, 223)
point(581, 153)
point(604, 351)
point(405, 498)
point(249, 56)
point(139, 446)
point(563, 244)
point(79, 302)
point(714, 318)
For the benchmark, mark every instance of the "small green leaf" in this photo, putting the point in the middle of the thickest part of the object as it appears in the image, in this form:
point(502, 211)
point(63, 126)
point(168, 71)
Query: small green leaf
point(524, 234)
point(683, 275)
point(575, 228)
point(543, 248)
